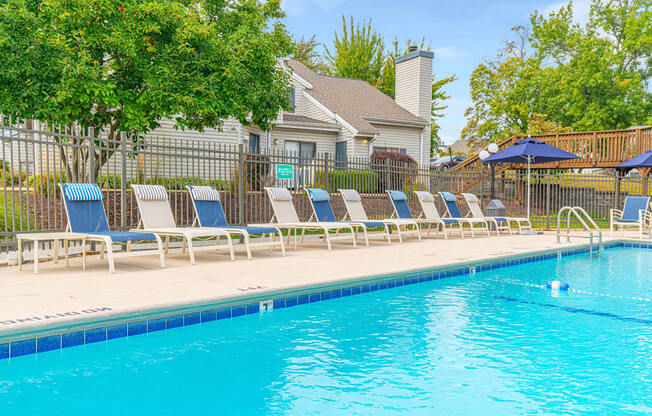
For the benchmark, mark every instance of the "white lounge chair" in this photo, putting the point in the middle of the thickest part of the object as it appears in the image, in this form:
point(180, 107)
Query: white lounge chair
point(86, 215)
point(429, 211)
point(402, 210)
point(156, 217)
point(637, 213)
point(475, 211)
point(355, 212)
point(453, 211)
point(285, 217)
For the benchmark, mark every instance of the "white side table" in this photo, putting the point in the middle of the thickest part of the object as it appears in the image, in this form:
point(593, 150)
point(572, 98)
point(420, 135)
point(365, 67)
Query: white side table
point(36, 238)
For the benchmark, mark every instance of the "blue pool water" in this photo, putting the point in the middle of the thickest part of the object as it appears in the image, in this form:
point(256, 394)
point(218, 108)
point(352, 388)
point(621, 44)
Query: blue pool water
point(476, 344)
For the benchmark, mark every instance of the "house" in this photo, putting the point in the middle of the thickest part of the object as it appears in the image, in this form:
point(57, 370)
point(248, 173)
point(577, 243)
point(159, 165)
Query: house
point(344, 117)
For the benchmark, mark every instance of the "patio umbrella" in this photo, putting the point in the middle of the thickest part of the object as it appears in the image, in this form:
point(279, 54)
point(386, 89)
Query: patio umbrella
point(529, 151)
point(644, 162)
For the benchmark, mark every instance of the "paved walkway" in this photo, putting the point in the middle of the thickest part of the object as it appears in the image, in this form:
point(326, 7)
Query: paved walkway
point(61, 297)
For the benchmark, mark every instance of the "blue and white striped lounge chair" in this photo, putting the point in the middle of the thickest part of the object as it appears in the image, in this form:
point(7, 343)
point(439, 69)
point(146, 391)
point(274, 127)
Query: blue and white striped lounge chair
point(355, 212)
point(156, 217)
point(501, 223)
point(637, 213)
point(453, 211)
point(322, 211)
point(210, 214)
point(429, 211)
point(285, 217)
point(86, 215)
point(402, 210)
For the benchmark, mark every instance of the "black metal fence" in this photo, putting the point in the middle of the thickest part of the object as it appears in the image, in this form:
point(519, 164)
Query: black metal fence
point(34, 160)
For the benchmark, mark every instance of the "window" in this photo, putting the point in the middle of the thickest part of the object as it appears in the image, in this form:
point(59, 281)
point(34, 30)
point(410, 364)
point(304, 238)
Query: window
point(303, 149)
point(390, 149)
point(292, 100)
point(254, 143)
point(340, 155)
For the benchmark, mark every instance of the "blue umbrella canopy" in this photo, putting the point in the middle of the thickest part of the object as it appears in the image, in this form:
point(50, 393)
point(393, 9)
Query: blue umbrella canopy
point(530, 150)
point(640, 161)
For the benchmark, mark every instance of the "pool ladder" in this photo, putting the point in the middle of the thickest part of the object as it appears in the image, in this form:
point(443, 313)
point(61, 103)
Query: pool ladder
point(587, 223)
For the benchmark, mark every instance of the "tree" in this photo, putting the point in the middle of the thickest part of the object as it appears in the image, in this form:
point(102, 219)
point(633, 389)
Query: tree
point(123, 65)
point(305, 51)
point(358, 52)
point(439, 97)
point(581, 77)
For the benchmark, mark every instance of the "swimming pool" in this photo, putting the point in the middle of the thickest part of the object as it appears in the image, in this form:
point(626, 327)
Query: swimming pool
point(483, 343)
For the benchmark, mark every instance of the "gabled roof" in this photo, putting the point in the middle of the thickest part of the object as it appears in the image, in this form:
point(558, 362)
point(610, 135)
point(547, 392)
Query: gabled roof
point(354, 100)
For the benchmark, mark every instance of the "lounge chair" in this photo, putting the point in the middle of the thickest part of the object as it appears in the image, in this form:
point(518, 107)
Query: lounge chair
point(636, 213)
point(355, 212)
point(210, 214)
point(285, 217)
point(473, 203)
point(429, 211)
point(322, 211)
point(453, 211)
point(402, 210)
point(156, 217)
point(86, 215)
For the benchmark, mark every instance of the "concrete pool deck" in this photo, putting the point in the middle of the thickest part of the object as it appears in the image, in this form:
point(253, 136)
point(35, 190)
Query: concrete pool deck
point(63, 298)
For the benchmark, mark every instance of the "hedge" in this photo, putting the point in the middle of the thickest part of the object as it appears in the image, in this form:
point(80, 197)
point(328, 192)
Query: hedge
point(364, 181)
point(11, 219)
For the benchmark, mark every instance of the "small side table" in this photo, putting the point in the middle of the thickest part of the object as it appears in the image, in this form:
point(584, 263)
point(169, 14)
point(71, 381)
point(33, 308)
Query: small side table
point(36, 238)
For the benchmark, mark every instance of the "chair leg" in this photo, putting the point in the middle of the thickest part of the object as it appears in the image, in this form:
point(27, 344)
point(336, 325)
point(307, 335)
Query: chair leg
point(102, 248)
point(389, 239)
point(66, 251)
point(191, 251)
point(366, 236)
point(280, 240)
point(398, 231)
point(109, 256)
point(159, 243)
point(328, 239)
point(183, 245)
point(84, 254)
point(20, 254)
point(230, 243)
point(247, 242)
point(55, 256)
point(167, 244)
point(36, 257)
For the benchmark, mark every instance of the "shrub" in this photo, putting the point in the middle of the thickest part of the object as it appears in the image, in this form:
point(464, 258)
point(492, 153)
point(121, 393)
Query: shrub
point(180, 183)
point(8, 176)
point(256, 171)
point(402, 169)
point(45, 183)
point(409, 188)
point(364, 181)
point(110, 181)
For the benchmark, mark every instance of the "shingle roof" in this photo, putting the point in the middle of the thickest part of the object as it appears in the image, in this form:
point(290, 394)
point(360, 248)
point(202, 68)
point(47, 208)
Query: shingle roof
point(352, 99)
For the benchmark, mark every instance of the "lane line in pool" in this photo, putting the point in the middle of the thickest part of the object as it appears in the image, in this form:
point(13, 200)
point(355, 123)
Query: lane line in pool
point(583, 292)
point(576, 310)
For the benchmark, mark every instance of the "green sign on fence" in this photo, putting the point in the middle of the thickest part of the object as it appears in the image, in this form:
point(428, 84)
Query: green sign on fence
point(284, 172)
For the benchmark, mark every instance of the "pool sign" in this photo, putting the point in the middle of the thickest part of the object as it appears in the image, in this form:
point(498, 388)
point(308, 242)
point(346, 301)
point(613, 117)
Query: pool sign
point(284, 172)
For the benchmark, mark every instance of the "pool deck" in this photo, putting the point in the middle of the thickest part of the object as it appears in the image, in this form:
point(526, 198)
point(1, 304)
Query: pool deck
point(63, 298)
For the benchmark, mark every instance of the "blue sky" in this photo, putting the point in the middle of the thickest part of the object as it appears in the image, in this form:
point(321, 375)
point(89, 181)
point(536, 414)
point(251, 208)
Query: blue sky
point(461, 32)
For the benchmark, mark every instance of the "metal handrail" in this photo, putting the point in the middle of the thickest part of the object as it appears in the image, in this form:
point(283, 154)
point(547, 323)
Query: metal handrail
point(580, 213)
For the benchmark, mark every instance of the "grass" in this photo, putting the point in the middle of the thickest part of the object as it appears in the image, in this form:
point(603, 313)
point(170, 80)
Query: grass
point(10, 219)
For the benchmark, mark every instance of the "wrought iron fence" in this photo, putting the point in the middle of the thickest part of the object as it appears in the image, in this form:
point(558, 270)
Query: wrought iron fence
point(35, 158)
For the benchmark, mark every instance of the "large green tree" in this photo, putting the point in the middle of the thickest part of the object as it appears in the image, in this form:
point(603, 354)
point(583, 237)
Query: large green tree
point(581, 77)
point(123, 65)
point(358, 52)
point(306, 51)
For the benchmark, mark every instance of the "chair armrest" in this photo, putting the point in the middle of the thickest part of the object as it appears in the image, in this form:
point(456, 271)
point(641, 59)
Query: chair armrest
point(615, 213)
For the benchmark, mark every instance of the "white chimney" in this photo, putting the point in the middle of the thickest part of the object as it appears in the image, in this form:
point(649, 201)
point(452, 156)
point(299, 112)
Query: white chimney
point(414, 82)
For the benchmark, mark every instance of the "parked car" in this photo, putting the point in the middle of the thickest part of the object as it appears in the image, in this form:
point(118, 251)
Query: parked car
point(433, 162)
point(445, 163)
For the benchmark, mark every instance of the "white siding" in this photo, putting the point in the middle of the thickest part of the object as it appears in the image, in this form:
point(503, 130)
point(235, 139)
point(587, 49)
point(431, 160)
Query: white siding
point(414, 86)
point(408, 138)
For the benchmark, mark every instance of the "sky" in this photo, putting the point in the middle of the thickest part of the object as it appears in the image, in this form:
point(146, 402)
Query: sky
point(462, 33)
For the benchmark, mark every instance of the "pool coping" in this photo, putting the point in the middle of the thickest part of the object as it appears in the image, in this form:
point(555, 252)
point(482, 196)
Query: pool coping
point(58, 335)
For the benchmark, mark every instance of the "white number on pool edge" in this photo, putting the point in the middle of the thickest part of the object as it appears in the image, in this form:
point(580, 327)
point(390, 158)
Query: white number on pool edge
point(472, 270)
point(266, 305)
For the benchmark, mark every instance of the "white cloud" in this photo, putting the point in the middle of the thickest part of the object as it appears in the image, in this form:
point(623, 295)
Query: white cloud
point(581, 9)
point(299, 7)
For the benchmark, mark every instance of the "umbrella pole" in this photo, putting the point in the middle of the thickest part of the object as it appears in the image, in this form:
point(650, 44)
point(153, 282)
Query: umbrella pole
point(528, 188)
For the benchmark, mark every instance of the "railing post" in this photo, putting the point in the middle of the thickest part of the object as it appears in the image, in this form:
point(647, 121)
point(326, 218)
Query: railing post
point(326, 160)
point(241, 177)
point(617, 190)
point(548, 199)
point(91, 154)
point(388, 176)
point(123, 180)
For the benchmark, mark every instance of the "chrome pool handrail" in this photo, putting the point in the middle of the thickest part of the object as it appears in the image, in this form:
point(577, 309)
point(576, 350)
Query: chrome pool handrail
point(581, 214)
